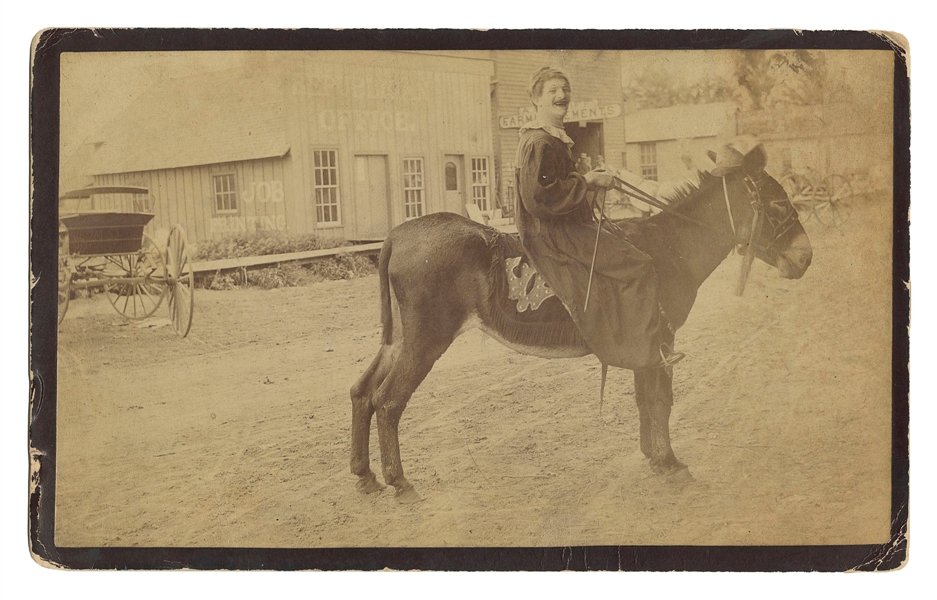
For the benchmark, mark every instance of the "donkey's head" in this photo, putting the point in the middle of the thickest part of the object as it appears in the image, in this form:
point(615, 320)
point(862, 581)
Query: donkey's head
point(764, 220)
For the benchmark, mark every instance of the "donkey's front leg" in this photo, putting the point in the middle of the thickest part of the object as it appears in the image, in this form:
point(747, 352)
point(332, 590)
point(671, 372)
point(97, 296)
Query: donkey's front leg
point(657, 387)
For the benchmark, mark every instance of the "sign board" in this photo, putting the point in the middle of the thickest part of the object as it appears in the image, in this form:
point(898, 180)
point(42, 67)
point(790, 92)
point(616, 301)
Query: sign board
point(578, 111)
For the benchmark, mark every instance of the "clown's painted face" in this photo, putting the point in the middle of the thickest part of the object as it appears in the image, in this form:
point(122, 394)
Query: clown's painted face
point(554, 99)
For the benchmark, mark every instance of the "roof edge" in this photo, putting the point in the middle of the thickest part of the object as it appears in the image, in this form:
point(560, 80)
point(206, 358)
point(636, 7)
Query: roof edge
point(257, 156)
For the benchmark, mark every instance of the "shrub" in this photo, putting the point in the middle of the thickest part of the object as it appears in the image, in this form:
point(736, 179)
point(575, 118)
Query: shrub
point(261, 244)
point(341, 266)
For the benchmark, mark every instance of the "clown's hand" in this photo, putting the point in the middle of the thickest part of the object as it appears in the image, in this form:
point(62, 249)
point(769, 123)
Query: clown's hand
point(599, 179)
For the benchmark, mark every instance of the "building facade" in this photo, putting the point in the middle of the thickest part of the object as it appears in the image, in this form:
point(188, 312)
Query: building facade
point(669, 144)
point(343, 145)
point(595, 120)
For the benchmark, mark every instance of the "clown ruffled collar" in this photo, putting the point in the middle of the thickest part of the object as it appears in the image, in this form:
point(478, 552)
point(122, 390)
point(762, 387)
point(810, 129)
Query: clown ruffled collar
point(553, 130)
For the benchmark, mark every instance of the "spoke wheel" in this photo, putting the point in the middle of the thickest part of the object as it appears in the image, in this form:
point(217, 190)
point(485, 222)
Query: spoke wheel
point(65, 273)
point(834, 201)
point(181, 281)
point(138, 300)
point(793, 191)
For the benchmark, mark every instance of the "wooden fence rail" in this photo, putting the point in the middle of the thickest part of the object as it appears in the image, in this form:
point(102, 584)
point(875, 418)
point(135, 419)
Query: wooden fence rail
point(249, 262)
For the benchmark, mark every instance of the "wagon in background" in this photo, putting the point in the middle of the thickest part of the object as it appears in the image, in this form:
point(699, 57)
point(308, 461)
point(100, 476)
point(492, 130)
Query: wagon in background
point(102, 244)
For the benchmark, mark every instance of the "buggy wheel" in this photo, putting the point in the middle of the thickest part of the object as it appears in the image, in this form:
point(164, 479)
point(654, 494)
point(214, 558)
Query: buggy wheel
point(181, 281)
point(834, 205)
point(138, 300)
point(65, 292)
point(793, 191)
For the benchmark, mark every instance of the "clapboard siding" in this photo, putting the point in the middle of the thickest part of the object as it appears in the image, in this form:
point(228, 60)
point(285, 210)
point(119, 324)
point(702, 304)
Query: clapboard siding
point(404, 105)
point(394, 104)
point(185, 196)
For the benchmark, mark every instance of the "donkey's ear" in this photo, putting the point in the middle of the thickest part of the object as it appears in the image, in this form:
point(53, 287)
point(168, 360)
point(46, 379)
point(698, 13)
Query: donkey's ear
point(755, 161)
point(711, 155)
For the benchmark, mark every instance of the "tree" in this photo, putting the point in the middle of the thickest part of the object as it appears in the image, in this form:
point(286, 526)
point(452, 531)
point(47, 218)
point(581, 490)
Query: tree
point(798, 77)
point(657, 88)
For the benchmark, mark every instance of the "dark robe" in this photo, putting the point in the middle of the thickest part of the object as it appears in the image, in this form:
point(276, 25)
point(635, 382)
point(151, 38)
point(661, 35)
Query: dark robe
point(623, 324)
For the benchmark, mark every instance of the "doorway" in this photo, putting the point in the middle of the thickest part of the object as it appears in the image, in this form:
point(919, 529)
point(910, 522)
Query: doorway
point(588, 140)
point(372, 198)
point(454, 182)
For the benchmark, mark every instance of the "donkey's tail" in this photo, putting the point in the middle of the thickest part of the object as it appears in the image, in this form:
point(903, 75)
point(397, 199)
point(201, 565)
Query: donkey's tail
point(387, 316)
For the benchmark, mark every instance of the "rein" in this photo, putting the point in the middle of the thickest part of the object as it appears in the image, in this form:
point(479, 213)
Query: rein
point(780, 226)
point(759, 213)
point(638, 193)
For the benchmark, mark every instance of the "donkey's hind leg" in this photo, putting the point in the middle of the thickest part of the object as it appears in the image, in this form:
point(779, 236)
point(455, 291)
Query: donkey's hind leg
point(407, 373)
point(361, 412)
point(640, 396)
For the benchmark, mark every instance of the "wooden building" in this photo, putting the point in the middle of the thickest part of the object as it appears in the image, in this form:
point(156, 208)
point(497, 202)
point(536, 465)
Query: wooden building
point(847, 138)
point(668, 144)
point(344, 145)
point(595, 120)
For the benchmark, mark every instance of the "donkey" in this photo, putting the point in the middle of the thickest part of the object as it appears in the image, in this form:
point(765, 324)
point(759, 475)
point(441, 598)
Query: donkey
point(443, 274)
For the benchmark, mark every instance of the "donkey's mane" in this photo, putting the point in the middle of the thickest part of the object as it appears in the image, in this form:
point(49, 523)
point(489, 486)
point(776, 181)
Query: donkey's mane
point(687, 190)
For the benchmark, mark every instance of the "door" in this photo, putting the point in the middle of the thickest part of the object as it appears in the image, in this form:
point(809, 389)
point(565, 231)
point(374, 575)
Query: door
point(372, 198)
point(454, 183)
point(589, 140)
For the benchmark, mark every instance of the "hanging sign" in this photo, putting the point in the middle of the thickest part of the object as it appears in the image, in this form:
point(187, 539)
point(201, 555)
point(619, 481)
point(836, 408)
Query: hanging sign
point(578, 111)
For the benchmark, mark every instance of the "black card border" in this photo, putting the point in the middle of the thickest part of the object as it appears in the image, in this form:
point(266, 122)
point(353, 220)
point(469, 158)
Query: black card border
point(44, 144)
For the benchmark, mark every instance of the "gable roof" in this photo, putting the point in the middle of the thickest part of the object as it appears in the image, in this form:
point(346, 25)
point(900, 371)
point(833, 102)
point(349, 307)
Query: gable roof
point(678, 122)
point(225, 116)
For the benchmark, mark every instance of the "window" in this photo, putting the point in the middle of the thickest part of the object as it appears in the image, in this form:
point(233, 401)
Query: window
point(325, 167)
point(649, 161)
point(480, 182)
point(452, 177)
point(413, 187)
point(226, 194)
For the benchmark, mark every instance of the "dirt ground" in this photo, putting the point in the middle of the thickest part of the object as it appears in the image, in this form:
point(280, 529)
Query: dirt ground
point(239, 434)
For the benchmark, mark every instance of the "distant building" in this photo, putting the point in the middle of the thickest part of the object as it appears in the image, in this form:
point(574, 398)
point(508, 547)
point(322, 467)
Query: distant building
point(666, 144)
point(846, 138)
point(344, 145)
point(347, 145)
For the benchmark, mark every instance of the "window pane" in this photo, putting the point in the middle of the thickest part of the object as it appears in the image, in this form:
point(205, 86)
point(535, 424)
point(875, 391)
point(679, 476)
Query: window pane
point(225, 193)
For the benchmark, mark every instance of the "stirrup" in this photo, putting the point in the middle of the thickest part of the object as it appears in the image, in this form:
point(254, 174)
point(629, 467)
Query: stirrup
point(668, 358)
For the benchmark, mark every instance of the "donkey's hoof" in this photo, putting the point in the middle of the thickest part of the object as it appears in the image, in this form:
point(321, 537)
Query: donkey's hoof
point(408, 495)
point(369, 484)
point(680, 475)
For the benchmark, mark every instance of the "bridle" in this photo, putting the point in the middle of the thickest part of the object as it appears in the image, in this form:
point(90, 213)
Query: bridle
point(761, 217)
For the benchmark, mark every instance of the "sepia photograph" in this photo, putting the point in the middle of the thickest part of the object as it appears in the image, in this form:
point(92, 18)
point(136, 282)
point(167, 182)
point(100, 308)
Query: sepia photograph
point(492, 298)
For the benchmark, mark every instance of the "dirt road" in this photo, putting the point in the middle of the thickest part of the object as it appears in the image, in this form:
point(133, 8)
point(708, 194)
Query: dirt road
point(239, 434)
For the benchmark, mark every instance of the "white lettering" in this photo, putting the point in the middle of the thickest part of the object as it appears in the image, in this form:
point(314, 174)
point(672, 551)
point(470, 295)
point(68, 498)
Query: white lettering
point(578, 112)
point(402, 122)
point(248, 224)
point(263, 191)
point(276, 195)
point(367, 120)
